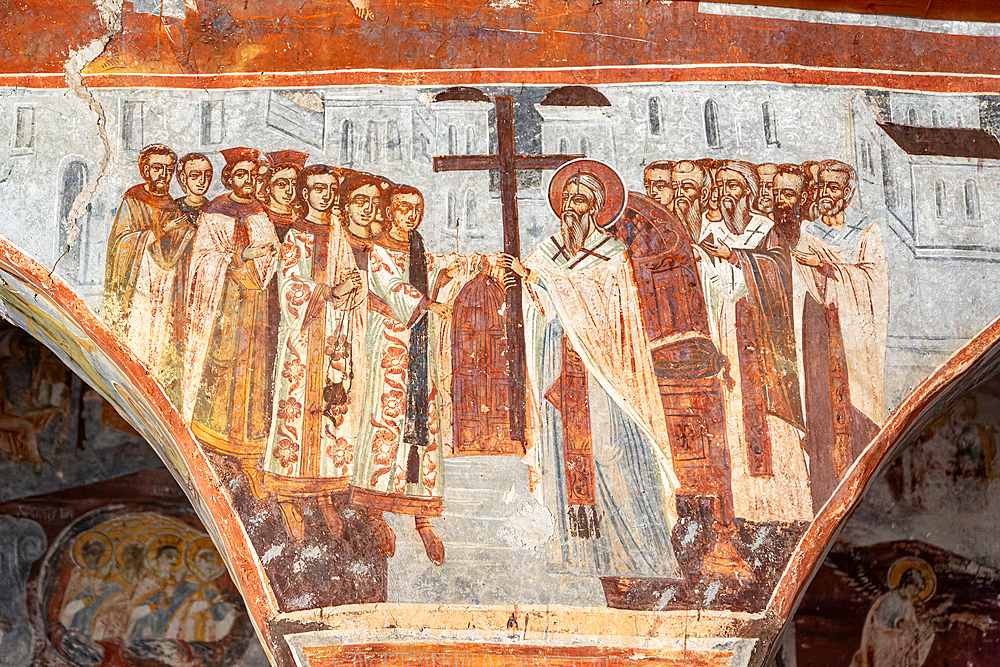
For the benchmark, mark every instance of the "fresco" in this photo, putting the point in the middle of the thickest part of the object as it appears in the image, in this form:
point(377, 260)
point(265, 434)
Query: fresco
point(908, 582)
point(55, 431)
point(574, 338)
point(91, 580)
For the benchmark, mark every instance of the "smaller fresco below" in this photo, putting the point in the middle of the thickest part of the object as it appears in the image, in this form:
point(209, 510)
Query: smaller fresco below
point(141, 588)
point(914, 579)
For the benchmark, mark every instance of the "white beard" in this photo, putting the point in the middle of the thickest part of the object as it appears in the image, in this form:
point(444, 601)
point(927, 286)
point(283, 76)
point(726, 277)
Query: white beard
point(689, 217)
point(736, 214)
point(574, 230)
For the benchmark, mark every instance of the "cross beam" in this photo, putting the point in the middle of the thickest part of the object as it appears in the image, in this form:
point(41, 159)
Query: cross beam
point(507, 162)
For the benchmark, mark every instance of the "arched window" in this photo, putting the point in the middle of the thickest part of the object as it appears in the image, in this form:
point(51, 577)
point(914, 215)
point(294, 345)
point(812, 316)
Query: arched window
point(421, 146)
point(564, 146)
point(712, 125)
point(888, 182)
point(971, 200)
point(470, 209)
point(392, 142)
point(654, 116)
point(584, 146)
point(347, 143)
point(74, 178)
point(371, 142)
point(132, 126)
point(770, 124)
point(452, 140)
point(939, 199)
point(452, 211)
point(911, 116)
point(864, 154)
point(470, 141)
point(935, 118)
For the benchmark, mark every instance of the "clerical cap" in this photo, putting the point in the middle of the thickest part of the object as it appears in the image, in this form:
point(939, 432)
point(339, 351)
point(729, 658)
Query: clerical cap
point(288, 157)
point(236, 155)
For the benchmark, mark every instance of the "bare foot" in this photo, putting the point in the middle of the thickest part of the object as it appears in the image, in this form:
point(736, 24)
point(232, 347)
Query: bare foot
point(383, 533)
point(432, 543)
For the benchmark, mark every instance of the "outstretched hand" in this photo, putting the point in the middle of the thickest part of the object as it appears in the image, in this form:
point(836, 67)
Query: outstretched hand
point(442, 310)
point(810, 258)
point(717, 249)
point(363, 9)
point(514, 269)
point(255, 251)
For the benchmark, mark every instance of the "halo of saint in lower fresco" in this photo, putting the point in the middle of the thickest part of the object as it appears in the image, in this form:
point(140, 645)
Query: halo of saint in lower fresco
point(135, 588)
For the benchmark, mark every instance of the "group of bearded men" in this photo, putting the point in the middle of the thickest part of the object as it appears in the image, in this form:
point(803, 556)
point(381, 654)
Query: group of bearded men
point(796, 291)
point(291, 321)
point(288, 319)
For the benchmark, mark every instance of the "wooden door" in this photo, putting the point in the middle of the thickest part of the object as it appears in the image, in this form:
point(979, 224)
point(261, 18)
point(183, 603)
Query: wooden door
point(480, 376)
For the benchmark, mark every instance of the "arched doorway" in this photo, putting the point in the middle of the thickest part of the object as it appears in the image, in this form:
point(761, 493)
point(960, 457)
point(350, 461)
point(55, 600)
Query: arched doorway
point(481, 380)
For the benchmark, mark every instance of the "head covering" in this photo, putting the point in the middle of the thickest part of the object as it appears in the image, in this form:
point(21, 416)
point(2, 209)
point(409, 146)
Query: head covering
point(608, 187)
point(749, 174)
point(237, 155)
point(297, 158)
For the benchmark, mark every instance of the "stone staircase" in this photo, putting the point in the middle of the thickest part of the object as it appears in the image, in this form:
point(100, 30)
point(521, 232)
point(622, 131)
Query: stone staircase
point(494, 533)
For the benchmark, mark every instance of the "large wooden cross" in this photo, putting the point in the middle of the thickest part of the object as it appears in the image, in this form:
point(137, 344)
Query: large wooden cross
point(507, 162)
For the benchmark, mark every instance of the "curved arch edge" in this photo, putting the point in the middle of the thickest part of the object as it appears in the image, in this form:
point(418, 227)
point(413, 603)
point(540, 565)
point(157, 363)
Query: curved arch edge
point(50, 310)
point(971, 364)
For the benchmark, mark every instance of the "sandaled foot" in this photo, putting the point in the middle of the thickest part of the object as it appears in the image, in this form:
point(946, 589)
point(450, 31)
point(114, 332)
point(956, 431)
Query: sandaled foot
point(432, 543)
point(332, 517)
point(293, 519)
point(255, 476)
point(384, 535)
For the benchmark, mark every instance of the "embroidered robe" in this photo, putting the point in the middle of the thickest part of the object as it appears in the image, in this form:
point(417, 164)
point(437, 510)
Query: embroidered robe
point(393, 472)
point(319, 379)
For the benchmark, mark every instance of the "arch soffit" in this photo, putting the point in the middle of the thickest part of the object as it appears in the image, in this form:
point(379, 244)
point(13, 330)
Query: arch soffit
point(43, 305)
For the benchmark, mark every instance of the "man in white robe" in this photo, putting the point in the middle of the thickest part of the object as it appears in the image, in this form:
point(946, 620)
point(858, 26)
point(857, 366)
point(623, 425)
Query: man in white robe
point(399, 464)
point(228, 380)
point(764, 407)
point(320, 352)
point(845, 316)
point(603, 449)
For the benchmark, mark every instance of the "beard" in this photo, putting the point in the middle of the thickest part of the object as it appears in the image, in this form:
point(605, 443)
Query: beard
point(826, 207)
point(243, 191)
point(574, 230)
point(689, 216)
point(735, 213)
point(788, 223)
point(159, 186)
point(766, 205)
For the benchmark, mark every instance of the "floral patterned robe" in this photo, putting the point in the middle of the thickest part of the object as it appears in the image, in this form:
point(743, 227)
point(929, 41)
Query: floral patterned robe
point(319, 382)
point(380, 468)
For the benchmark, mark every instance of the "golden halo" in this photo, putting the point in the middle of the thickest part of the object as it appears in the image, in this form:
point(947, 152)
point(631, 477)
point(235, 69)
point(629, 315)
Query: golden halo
point(196, 547)
point(165, 540)
point(120, 550)
point(614, 188)
point(913, 563)
point(86, 538)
